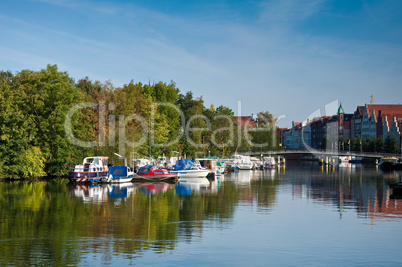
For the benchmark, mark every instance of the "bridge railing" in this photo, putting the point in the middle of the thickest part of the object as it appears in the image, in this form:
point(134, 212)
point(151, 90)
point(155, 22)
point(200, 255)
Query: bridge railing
point(323, 152)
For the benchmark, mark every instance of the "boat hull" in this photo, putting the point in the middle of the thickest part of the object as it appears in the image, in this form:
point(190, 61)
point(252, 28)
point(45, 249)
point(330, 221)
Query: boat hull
point(245, 166)
point(73, 174)
point(191, 173)
point(85, 179)
point(118, 180)
point(269, 166)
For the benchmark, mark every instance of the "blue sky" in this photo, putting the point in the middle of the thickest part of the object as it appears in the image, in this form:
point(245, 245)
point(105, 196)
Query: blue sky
point(288, 57)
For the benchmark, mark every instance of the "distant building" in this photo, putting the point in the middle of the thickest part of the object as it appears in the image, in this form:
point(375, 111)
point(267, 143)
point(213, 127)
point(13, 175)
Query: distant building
point(392, 129)
point(382, 121)
point(369, 123)
point(370, 120)
point(344, 123)
point(293, 138)
point(319, 132)
point(356, 122)
point(246, 120)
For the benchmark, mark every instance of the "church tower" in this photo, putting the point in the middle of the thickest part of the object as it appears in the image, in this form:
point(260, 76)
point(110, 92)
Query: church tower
point(341, 117)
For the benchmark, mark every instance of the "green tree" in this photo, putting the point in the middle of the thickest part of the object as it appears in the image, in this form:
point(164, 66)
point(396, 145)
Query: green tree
point(263, 134)
point(49, 94)
point(379, 145)
point(390, 144)
point(191, 142)
point(18, 157)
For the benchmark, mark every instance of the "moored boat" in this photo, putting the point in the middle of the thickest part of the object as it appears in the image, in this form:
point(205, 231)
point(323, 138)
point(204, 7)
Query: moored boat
point(243, 162)
point(152, 173)
point(138, 163)
point(91, 170)
point(232, 168)
point(165, 162)
point(186, 168)
point(269, 162)
point(118, 174)
point(213, 164)
point(390, 164)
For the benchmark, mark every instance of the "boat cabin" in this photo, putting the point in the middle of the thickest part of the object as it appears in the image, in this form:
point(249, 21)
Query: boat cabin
point(93, 164)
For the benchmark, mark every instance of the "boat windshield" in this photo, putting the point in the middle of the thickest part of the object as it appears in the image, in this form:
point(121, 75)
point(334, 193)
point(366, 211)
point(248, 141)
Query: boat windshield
point(145, 169)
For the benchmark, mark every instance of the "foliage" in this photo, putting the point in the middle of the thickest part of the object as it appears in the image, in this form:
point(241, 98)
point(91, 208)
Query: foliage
point(264, 132)
point(18, 157)
point(367, 144)
point(48, 123)
point(49, 96)
point(391, 144)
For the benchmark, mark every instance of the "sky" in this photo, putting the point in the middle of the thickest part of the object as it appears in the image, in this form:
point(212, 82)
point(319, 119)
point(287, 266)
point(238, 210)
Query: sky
point(291, 58)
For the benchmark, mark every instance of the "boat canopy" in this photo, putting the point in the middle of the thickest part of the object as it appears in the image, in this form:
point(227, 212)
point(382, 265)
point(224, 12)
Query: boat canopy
point(183, 164)
point(218, 161)
point(119, 171)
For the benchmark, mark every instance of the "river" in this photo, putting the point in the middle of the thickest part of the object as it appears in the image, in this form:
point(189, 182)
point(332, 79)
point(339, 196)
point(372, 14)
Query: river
point(304, 215)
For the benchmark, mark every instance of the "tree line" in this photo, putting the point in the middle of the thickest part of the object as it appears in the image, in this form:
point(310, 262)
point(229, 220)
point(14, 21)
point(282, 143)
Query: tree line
point(367, 144)
point(49, 122)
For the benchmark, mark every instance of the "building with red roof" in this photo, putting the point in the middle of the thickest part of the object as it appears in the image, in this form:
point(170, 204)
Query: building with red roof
point(246, 120)
point(370, 120)
point(382, 121)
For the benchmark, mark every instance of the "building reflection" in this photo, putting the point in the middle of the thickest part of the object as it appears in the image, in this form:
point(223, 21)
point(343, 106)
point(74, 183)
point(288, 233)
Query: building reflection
point(350, 187)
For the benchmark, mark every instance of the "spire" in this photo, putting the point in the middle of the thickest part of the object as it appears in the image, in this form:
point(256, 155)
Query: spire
point(340, 110)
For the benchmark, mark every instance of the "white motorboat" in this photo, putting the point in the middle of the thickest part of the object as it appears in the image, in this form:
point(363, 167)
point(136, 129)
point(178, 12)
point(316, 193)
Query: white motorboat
point(186, 168)
point(197, 172)
point(243, 162)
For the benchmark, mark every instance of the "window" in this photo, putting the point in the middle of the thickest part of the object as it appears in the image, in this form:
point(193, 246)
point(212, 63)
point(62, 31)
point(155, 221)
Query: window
point(143, 171)
point(118, 172)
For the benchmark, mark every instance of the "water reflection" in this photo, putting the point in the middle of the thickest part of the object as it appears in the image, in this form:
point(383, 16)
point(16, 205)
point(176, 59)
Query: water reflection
point(80, 222)
point(121, 191)
point(242, 177)
point(153, 189)
point(356, 187)
point(89, 193)
point(99, 193)
point(186, 187)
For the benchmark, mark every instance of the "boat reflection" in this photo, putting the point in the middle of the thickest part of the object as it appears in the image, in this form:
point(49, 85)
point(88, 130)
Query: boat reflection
point(99, 193)
point(122, 190)
point(89, 193)
point(153, 189)
point(270, 173)
point(187, 186)
point(242, 177)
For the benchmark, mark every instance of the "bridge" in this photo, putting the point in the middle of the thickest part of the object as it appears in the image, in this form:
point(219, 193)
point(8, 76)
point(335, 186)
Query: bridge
point(321, 154)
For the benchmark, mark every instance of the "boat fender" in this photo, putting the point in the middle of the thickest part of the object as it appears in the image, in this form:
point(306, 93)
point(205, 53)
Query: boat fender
point(110, 178)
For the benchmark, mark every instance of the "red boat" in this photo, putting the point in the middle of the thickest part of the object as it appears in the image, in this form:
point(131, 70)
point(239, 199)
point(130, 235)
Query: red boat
point(152, 173)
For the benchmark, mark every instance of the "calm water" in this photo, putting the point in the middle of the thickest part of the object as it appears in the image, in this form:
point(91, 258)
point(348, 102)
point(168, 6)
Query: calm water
point(301, 215)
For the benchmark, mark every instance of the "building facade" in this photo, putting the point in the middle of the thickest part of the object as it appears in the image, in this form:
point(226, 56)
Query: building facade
point(372, 121)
